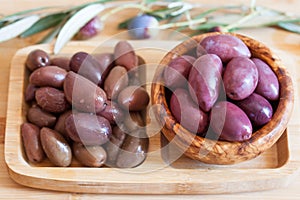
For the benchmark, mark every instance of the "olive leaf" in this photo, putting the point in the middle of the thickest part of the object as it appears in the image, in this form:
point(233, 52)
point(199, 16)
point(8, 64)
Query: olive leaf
point(16, 28)
point(73, 25)
point(293, 27)
point(45, 23)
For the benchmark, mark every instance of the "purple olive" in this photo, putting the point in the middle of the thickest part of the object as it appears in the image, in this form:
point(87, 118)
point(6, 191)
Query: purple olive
point(90, 29)
point(143, 26)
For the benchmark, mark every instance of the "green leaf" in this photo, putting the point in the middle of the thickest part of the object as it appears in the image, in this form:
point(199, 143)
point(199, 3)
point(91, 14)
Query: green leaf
point(44, 24)
point(164, 13)
point(17, 15)
point(51, 35)
point(16, 28)
point(124, 24)
point(293, 27)
point(73, 25)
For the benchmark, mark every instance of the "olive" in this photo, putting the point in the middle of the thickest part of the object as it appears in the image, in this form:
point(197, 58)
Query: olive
point(36, 59)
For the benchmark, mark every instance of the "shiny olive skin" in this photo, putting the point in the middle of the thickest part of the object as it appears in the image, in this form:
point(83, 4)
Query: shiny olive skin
point(177, 72)
point(133, 151)
point(88, 129)
point(30, 92)
point(90, 156)
point(115, 82)
point(40, 117)
point(225, 46)
point(230, 122)
point(51, 100)
point(268, 85)
point(51, 76)
point(106, 63)
point(125, 55)
point(204, 81)
point(87, 66)
point(187, 112)
point(134, 121)
point(114, 145)
point(56, 148)
point(36, 59)
point(32, 143)
point(133, 98)
point(62, 62)
point(83, 94)
point(60, 124)
point(240, 78)
point(112, 112)
point(257, 108)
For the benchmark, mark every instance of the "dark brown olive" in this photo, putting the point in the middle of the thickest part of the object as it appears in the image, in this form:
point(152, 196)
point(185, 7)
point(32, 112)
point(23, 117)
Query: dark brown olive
point(51, 99)
point(106, 61)
point(51, 76)
point(87, 66)
point(133, 121)
point(31, 141)
point(56, 148)
point(114, 145)
point(62, 62)
point(30, 92)
point(40, 117)
point(83, 94)
point(112, 112)
point(36, 59)
point(125, 55)
point(88, 129)
point(60, 124)
point(133, 151)
point(90, 156)
point(133, 98)
point(115, 82)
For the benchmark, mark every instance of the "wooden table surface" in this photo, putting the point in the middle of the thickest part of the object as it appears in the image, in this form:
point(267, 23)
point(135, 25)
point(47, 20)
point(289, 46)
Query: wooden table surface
point(286, 44)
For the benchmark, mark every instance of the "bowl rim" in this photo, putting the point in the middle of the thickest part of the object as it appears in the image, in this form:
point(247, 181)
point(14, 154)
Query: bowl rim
point(261, 140)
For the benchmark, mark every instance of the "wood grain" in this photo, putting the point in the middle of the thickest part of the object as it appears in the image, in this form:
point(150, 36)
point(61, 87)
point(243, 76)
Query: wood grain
point(157, 175)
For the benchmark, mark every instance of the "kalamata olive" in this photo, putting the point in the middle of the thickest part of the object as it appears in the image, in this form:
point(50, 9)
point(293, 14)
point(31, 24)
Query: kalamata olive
point(125, 55)
point(257, 108)
point(240, 78)
point(230, 122)
point(134, 121)
point(51, 99)
point(112, 112)
point(187, 112)
point(36, 59)
point(88, 129)
point(32, 143)
point(90, 156)
point(177, 72)
point(115, 82)
point(225, 46)
point(133, 151)
point(62, 62)
point(204, 81)
point(30, 92)
point(143, 26)
point(90, 29)
point(106, 61)
point(83, 94)
point(56, 148)
point(268, 85)
point(114, 145)
point(40, 117)
point(51, 76)
point(87, 66)
point(60, 124)
point(133, 98)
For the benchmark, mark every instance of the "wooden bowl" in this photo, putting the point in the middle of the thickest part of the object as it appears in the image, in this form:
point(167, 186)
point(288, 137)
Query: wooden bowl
point(216, 151)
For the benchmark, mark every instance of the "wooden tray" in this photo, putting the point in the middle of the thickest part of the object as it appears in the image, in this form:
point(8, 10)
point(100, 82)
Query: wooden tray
point(165, 171)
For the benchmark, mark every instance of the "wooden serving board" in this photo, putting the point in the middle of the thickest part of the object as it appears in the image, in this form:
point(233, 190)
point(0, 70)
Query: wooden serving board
point(165, 171)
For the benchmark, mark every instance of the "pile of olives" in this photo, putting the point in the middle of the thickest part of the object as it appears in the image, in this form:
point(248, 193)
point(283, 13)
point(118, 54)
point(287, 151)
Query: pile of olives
point(220, 90)
point(83, 108)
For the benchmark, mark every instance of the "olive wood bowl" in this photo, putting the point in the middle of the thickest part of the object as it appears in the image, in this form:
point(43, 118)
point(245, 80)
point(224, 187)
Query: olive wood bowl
point(216, 151)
